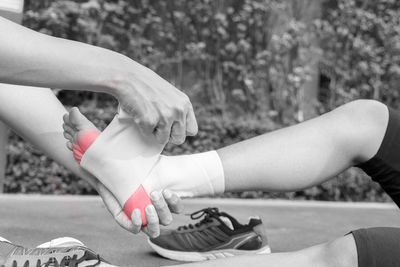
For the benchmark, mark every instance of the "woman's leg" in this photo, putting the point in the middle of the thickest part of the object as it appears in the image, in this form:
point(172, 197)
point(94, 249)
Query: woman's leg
point(36, 115)
point(371, 247)
point(289, 159)
point(339, 253)
point(308, 153)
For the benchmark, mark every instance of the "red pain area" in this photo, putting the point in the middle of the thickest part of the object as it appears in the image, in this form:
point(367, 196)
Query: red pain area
point(85, 140)
point(139, 200)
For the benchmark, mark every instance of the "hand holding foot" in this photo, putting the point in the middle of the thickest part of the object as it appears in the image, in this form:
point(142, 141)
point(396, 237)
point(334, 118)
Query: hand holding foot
point(80, 134)
point(129, 164)
point(157, 106)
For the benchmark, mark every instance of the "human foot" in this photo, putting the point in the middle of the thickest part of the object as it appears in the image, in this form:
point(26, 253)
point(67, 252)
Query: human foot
point(80, 133)
point(125, 161)
point(114, 156)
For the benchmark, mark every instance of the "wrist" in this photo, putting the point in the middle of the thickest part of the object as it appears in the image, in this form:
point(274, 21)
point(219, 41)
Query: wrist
point(121, 77)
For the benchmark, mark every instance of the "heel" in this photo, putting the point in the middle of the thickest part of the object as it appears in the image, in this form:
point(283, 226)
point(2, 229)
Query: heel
point(139, 200)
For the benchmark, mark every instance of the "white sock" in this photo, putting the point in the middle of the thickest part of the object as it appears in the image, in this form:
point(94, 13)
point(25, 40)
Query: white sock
point(122, 157)
point(188, 175)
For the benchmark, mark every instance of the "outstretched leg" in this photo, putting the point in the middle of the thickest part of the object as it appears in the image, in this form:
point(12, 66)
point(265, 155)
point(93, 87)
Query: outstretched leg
point(308, 153)
point(289, 159)
point(371, 247)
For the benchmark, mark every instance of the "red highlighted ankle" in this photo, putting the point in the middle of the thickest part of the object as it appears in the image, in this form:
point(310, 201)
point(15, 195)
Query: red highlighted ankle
point(139, 200)
point(84, 141)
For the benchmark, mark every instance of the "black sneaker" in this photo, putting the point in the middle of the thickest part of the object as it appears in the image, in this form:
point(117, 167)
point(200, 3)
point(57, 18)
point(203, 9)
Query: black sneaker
point(12, 255)
point(217, 235)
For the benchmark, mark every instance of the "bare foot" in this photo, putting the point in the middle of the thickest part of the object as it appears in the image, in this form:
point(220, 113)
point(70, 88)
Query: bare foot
point(131, 166)
point(80, 132)
point(119, 159)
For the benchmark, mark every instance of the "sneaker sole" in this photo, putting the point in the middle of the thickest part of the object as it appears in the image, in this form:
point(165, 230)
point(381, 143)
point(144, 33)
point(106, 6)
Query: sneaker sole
point(203, 256)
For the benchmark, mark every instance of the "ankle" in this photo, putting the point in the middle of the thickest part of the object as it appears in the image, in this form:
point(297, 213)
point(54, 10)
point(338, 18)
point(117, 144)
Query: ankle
point(85, 140)
point(189, 175)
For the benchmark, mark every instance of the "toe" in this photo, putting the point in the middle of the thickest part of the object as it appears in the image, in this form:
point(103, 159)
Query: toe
point(68, 132)
point(69, 145)
point(78, 120)
point(67, 135)
point(66, 118)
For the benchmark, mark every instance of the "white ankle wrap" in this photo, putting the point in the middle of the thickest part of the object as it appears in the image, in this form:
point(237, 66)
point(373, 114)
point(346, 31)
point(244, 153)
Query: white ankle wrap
point(122, 157)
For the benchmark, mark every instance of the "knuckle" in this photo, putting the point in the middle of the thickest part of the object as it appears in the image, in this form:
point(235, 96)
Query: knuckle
point(148, 123)
point(152, 219)
point(136, 224)
point(160, 204)
point(173, 200)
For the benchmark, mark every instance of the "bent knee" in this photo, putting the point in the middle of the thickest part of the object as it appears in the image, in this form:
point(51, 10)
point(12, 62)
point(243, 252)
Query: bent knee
point(367, 123)
point(366, 111)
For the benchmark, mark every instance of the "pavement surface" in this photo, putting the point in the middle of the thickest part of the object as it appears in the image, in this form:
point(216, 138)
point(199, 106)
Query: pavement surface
point(31, 220)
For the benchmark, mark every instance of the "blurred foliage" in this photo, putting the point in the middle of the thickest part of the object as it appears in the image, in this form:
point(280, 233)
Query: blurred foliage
point(361, 44)
point(242, 62)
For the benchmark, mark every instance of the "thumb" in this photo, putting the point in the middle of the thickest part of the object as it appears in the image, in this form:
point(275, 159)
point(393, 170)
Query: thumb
point(115, 209)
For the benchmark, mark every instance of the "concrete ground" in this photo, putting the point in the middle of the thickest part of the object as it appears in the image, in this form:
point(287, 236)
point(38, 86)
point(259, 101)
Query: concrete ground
point(31, 220)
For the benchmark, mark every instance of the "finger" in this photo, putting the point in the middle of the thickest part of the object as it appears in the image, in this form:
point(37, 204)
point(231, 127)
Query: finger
point(191, 123)
point(136, 221)
point(153, 225)
point(125, 222)
point(173, 200)
point(163, 132)
point(164, 214)
point(178, 132)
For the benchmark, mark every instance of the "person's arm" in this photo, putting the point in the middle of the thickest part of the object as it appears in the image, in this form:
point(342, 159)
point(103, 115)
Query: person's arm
point(36, 115)
point(31, 58)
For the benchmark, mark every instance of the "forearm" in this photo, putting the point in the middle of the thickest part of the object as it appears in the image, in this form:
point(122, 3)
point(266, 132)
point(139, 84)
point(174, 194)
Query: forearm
point(31, 58)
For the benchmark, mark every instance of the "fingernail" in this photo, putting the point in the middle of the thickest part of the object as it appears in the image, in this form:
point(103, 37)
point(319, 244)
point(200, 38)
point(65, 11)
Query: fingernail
point(150, 209)
point(155, 195)
point(136, 212)
point(167, 193)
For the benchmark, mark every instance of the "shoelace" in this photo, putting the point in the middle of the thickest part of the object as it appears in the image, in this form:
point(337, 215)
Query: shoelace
point(208, 213)
point(66, 261)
